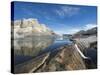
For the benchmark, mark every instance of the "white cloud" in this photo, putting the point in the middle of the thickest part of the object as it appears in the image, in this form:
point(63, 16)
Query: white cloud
point(67, 11)
point(89, 26)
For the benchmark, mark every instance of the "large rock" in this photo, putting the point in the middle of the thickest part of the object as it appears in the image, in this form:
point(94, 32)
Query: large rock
point(89, 47)
point(67, 58)
point(29, 27)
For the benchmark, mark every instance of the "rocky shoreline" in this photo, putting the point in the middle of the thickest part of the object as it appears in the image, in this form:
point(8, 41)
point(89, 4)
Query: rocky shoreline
point(65, 58)
point(81, 54)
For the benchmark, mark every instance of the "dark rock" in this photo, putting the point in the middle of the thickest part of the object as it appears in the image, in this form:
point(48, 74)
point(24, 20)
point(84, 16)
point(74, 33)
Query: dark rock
point(66, 59)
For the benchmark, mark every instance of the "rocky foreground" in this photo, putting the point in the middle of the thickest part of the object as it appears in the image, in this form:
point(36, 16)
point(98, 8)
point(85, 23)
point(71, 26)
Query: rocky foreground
point(80, 55)
point(88, 46)
point(66, 58)
point(62, 59)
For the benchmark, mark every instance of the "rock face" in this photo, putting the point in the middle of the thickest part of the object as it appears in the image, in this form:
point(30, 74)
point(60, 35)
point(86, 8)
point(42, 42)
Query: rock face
point(66, 59)
point(63, 59)
point(28, 27)
point(89, 47)
point(87, 43)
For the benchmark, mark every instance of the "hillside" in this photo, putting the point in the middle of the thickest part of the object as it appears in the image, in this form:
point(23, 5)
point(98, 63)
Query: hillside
point(29, 27)
point(85, 33)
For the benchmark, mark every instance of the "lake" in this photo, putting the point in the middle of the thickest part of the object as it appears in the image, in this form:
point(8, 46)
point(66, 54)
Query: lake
point(30, 47)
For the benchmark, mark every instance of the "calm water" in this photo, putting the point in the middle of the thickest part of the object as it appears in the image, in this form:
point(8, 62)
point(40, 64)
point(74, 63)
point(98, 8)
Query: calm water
point(28, 48)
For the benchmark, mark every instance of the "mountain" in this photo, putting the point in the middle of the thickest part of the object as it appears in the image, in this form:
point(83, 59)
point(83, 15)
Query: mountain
point(29, 27)
point(89, 32)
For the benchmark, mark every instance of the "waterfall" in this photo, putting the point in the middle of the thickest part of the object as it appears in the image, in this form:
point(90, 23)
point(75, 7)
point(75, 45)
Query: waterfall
point(79, 51)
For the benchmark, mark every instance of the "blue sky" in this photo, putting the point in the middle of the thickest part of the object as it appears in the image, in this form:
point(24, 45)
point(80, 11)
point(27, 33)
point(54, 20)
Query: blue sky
point(60, 18)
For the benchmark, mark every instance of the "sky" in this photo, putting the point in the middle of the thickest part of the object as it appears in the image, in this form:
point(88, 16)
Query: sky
point(61, 18)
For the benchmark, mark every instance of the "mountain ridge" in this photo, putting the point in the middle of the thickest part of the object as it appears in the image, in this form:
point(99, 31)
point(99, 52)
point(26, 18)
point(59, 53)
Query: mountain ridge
point(30, 26)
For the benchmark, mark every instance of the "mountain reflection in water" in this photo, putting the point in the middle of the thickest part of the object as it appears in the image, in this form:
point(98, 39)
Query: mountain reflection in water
point(27, 48)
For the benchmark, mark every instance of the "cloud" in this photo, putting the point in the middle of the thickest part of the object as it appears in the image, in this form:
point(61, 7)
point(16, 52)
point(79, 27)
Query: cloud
point(89, 26)
point(67, 11)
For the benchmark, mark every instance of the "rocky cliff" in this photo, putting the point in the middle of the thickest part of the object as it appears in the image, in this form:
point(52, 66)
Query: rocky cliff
point(87, 43)
point(29, 27)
